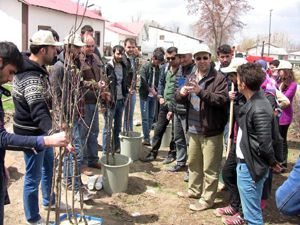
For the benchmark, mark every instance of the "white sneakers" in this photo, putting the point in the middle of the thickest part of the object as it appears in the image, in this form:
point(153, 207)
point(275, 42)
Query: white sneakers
point(86, 195)
point(95, 182)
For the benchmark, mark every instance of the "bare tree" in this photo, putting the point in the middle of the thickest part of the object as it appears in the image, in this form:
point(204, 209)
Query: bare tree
point(218, 19)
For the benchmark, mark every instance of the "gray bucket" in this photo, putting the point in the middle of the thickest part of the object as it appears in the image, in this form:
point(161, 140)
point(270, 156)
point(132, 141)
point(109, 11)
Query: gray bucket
point(131, 145)
point(167, 137)
point(115, 175)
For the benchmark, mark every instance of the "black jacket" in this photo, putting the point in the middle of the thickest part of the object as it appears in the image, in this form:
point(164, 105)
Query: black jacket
point(255, 120)
point(32, 99)
point(146, 79)
point(112, 79)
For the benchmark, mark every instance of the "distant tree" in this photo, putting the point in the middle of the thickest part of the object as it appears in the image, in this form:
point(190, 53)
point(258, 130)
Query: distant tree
point(218, 19)
point(246, 44)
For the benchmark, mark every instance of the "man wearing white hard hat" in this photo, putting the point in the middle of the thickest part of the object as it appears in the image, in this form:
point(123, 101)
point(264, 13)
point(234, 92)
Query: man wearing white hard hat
point(72, 48)
point(206, 93)
point(32, 100)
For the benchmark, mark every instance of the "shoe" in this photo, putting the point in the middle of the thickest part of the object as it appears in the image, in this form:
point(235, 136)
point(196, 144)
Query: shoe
point(147, 143)
point(234, 220)
point(168, 160)
point(39, 222)
point(225, 211)
point(200, 205)
point(186, 177)
point(95, 165)
point(176, 168)
point(187, 194)
point(118, 150)
point(149, 158)
point(86, 171)
point(62, 207)
point(91, 182)
point(86, 195)
point(99, 183)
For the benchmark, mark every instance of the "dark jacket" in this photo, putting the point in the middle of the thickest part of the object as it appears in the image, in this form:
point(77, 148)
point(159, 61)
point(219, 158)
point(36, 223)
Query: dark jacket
point(12, 142)
point(112, 80)
point(255, 120)
point(32, 99)
point(146, 79)
point(162, 79)
point(92, 73)
point(131, 70)
point(213, 99)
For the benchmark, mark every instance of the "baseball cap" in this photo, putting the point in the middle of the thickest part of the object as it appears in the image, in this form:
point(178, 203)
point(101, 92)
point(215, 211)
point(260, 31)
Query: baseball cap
point(234, 64)
point(44, 37)
point(202, 48)
point(283, 64)
point(74, 39)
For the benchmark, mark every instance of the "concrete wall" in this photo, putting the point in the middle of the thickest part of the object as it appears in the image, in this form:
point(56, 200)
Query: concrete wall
point(61, 22)
point(11, 21)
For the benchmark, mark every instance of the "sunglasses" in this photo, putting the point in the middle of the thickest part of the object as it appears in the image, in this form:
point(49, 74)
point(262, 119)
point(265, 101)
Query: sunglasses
point(199, 58)
point(171, 58)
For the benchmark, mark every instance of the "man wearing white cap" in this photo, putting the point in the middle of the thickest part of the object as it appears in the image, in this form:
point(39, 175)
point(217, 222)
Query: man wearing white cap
point(32, 99)
point(72, 49)
point(207, 95)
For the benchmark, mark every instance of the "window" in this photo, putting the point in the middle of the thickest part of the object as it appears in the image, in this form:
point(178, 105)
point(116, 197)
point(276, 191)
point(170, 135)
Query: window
point(161, 37)
point(43, 27)
point(97, 38)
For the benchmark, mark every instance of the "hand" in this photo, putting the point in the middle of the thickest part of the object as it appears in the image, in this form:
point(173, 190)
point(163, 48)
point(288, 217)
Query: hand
point(277, 168)
point(169, 115)
point(193, 87)
point(161, 101)
point(131, 91)
point(232, 95)
point(152, 91)
point(70, 148)
point(183, 91)
point(56, 140)
point(101, 85)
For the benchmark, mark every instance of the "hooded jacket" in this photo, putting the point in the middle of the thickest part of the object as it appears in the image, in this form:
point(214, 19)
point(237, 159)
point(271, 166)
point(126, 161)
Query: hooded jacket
point(32, 99)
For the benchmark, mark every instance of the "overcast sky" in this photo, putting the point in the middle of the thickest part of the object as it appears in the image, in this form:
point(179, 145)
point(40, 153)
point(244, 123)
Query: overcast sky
point(285, 15)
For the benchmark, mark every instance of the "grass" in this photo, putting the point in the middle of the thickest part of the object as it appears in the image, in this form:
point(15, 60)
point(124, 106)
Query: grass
point(8, 104)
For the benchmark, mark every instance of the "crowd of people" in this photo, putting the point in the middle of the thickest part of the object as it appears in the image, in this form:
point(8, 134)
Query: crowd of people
point(207, 103)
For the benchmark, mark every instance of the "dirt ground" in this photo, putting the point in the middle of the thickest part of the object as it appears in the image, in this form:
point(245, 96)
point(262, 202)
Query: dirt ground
point(150, 198)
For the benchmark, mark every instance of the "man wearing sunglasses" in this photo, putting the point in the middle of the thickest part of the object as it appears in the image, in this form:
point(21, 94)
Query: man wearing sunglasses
point(207, 95)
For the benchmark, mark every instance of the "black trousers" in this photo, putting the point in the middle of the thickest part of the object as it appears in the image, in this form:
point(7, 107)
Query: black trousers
point(283, 129)
point(159, 130)
point(230, 180)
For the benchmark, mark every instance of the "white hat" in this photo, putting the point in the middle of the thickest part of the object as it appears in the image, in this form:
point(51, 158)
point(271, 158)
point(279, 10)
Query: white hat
point(283, 64)
point(234, 64)
point(74, 39)
point(202, 48)
point(44, 37)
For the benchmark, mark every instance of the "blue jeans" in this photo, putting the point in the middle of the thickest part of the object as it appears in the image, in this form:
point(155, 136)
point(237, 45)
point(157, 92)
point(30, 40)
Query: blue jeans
point(180, 138)
point(68, 160)
point(250, 194)
point(39, 168)
point(131, 112)
point(116, 114)
point(288, 194)
point(147, 112)
point(89, 134)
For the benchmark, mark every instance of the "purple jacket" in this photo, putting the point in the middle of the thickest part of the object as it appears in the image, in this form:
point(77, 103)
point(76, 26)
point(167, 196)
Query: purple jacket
point(287, 113)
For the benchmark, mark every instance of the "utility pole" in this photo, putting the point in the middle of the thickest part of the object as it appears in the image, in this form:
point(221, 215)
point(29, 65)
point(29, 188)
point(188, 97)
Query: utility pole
point(270, 31)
